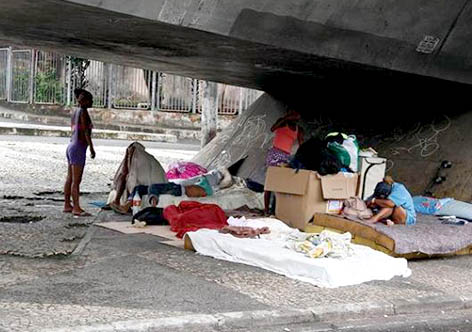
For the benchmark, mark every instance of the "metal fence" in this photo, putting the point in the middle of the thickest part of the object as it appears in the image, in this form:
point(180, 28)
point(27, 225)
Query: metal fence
point(49, 78)
point(177, 93)
point(233, 100)
point(131, 88)
point(21, 79)
point(3, 73)
point(95, 80)
point(32, 76)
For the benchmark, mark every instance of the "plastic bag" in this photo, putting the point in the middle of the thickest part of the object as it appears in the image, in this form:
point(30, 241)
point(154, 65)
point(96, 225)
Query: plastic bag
point(341, 153)
point(352, 147)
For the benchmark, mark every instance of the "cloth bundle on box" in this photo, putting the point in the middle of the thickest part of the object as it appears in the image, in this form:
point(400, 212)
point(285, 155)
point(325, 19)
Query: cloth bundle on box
point(190, 216)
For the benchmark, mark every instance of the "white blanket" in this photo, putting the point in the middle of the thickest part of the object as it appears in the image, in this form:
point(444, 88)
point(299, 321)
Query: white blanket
point(270, 253)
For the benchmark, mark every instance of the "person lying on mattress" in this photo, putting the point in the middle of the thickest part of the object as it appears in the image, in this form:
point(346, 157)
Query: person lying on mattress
point(391, 202)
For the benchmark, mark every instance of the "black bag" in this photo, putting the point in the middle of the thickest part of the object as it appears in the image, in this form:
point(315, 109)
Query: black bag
point(313, 155)
point(151, 215)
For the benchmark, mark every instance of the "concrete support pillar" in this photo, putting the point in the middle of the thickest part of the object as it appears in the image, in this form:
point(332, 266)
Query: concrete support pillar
point(195, 83)
point(241, 99)
point(209, 111)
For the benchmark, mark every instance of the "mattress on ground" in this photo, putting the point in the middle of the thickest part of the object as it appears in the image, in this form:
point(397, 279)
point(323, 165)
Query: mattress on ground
point(429, 237)
point(270, 252)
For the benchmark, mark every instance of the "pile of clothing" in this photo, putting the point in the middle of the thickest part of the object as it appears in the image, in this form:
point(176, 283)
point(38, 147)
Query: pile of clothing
point(324, 244)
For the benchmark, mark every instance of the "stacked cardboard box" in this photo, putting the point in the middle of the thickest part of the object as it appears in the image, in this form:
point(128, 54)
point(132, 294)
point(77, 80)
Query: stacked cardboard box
point(299, 195)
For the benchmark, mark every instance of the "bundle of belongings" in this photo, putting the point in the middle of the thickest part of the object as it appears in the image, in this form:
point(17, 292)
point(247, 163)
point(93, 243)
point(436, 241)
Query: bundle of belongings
point(191, 216)
point(337, 152)
point(185, 170)
point(321, 175)
point(141, 185)
point(138, 167)
point(451, 211)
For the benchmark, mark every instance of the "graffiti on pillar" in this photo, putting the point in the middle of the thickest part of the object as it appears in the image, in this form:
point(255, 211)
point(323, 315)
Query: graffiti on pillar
point(250, 132)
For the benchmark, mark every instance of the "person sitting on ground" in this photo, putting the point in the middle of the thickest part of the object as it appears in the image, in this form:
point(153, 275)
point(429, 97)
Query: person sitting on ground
point(81, 139)
point(286, 131)
point(392, 203)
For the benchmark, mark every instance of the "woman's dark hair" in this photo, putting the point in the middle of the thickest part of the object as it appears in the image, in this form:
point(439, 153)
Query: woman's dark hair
point(384, 188)
point(85, 93)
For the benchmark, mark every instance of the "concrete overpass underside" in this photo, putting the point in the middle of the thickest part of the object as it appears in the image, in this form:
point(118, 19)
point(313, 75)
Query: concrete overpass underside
point(318, 55)
point(350, 65)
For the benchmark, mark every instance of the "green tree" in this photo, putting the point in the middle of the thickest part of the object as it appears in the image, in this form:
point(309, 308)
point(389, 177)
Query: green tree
point(79, 68)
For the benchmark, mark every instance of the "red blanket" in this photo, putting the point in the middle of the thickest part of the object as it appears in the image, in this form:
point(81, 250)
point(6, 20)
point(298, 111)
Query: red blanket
point(190, 216)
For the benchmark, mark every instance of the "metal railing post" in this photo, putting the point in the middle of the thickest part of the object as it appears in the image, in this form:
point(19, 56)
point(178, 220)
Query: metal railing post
point(153, 92)
point(69, 83)
point(109, 101)
point(158, 91)
point(9, 74)
point(194, 96)
point(32, 73)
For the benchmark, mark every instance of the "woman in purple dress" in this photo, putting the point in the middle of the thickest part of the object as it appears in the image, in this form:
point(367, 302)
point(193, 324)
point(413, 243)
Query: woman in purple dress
point(81, 139)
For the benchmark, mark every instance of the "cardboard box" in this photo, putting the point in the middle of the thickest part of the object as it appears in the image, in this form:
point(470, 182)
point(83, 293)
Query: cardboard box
point(300, 195)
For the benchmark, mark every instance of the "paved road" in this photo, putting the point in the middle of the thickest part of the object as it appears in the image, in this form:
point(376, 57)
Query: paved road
point(31, 164)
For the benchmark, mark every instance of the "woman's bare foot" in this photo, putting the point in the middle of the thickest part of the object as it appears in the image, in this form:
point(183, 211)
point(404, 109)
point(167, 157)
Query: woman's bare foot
point(371, 221)
point(68, 208)
point(80, 213)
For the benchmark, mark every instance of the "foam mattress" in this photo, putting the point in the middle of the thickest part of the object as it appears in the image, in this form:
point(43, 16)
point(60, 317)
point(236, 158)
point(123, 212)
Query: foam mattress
point(427, 238)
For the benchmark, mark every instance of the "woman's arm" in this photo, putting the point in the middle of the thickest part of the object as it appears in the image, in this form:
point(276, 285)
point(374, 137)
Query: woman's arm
point(300, 135)
point(278, 124)
point(88, 133)
point(384, 203)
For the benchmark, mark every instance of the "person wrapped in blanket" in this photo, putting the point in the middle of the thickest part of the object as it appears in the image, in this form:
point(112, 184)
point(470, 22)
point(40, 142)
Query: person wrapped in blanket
point(392, 203)
point(286, 130)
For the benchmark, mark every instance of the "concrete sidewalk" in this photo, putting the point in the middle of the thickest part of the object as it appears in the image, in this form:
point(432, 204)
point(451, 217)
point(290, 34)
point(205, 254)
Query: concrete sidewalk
point(118, 282)
point(28, 129)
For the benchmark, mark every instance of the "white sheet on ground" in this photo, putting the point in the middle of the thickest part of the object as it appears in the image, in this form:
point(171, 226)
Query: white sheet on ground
point(270, 253)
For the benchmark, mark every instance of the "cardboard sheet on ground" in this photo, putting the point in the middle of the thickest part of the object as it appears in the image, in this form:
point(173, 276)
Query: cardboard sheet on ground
point(269, 252)
point(161, 231)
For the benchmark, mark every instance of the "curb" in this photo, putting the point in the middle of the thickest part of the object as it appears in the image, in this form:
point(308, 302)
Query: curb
point(97, 134)
point(266, 318)
point(180, 133)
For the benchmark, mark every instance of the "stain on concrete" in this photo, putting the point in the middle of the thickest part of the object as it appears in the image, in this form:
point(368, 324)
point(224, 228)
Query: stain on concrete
point(26, 219)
